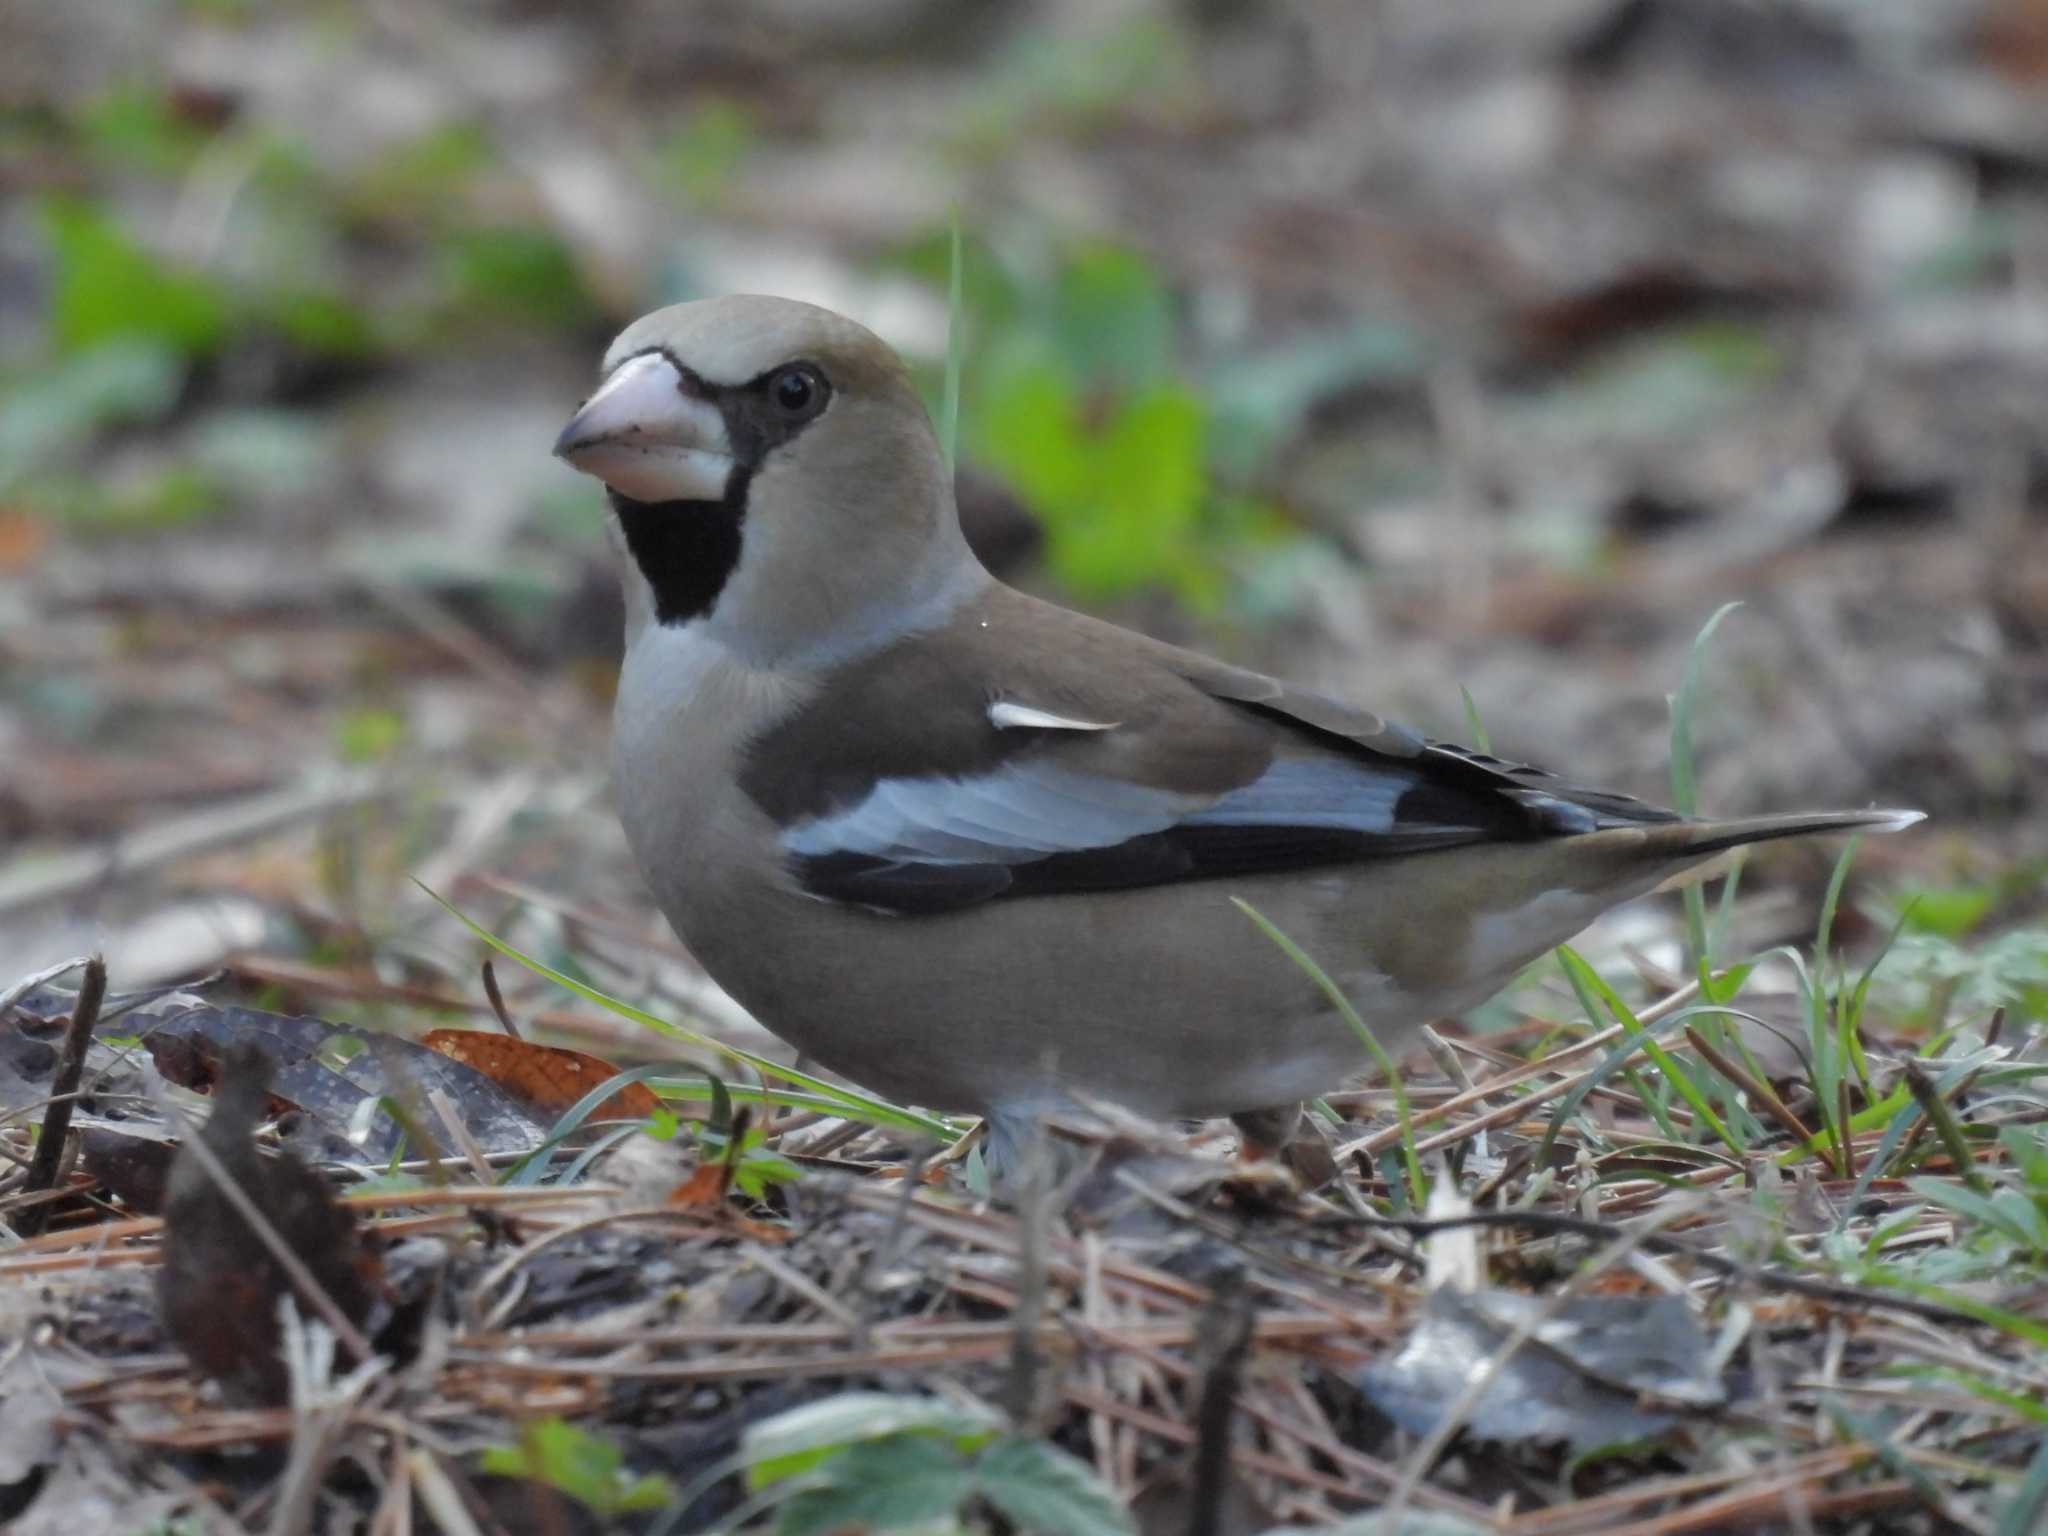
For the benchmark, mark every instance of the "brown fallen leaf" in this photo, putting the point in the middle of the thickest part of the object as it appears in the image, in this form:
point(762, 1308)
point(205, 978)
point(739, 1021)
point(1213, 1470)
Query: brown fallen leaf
point(220, 1283)
point(709, 1181)
point(705, 1186)
point(546, 1077)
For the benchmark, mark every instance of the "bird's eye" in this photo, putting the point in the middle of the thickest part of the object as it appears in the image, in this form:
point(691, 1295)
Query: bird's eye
point(797, 391)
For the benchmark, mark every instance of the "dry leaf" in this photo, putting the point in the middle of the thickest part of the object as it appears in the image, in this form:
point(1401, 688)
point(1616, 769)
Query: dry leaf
point(546, 1077)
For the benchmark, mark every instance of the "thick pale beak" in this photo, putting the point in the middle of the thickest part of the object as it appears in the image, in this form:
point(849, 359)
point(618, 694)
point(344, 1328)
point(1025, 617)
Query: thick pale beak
point(646, 438)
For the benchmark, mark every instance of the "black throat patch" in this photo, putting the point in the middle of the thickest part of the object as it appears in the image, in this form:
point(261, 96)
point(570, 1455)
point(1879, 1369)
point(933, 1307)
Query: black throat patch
point(687, 550)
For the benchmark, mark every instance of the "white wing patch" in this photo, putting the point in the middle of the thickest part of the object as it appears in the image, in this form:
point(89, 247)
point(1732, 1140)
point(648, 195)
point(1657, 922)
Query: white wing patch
point(1029, 810)
point(1005, 716)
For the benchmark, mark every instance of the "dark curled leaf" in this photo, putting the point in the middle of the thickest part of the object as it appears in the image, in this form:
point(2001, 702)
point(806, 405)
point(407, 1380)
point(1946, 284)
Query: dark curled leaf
point(220, 1283)
point(1594, 1373)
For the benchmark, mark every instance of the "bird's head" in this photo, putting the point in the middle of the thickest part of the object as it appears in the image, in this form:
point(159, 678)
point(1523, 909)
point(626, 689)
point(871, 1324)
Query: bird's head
point(774, 475)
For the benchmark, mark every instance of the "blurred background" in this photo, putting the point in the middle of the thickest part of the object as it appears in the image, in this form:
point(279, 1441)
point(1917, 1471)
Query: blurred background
point(1398, 347)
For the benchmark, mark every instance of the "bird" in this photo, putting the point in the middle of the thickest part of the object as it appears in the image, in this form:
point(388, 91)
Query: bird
point(981, 853)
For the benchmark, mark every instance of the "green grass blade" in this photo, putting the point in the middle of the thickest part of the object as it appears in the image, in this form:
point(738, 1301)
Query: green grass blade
point(2024, 1513)
point(1657, 1103)
point(1418, 1186)
point(1685, 793)
point(1895, 1461)
point(580, 1165)
point(1724, 909)
point(1959, 1300)
point(1685, 790)
point(956, 346)
point(1473, 723)
point(533, 1167)
point(1954, 1139)
point(1577, 970)
point(1903, 1119)
point(1615, 1062)
point(1824, 932)
point(846, 1101)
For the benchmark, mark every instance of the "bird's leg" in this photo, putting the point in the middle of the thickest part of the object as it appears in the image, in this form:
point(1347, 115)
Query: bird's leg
point(1278, 1133)
point(1267, 1132)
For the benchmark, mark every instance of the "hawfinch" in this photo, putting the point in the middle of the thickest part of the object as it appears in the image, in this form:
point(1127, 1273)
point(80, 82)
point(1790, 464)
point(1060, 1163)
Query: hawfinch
point(977, 852)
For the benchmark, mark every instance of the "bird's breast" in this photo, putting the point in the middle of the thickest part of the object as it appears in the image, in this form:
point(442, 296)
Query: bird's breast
point(686, 712)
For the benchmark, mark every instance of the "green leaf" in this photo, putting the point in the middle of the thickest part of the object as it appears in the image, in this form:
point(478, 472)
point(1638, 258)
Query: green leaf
point(802, 1438)
point(321, 323)
point(106, 287)
point(2029, 1500)
point(1947, 911)
point(128, 379)
point(369, 735)
point(703, 153)
point(1041, 1489)
point(517, 273)
point(2028, 1149)
point(1030, 430)
point(879, 1486)
point(1146, 482)
point(1724, 986)
point(579, 1464)
point(1982, 1209)
point(1111, 318)
point(134, 127)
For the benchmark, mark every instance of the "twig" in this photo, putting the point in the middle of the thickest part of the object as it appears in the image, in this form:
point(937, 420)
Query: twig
point(1379, 1141)
point(42, 1171)
point(1032, 1215)
point(28, 883)
point(883, 1254)
point(1939, 1115)
point(1227, 1333)
point(1578, 1226)
point(1759, 1091)
point(497, 1000)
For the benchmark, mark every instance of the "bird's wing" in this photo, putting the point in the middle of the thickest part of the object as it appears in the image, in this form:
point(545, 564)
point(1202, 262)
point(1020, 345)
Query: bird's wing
point(959, 774)
point(1045, 822)
point(1549, 803)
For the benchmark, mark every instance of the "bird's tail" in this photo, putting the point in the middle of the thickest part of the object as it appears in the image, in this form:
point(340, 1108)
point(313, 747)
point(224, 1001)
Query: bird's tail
point(1698, 844)
point(1715, 836)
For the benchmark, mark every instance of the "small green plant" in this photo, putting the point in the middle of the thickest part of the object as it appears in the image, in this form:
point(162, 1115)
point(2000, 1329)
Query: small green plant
point(880, 1463)
point(106, 287)
point(575, 1462)
point(1079, 403)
